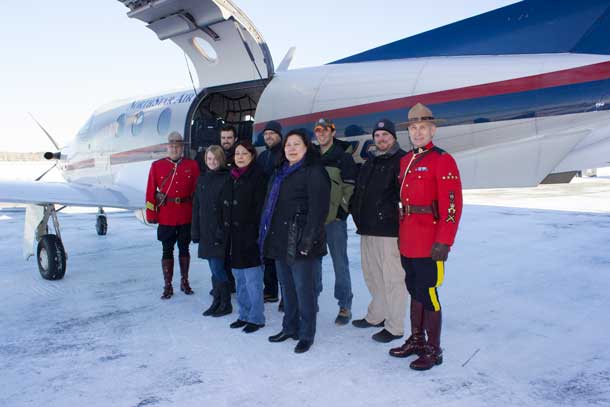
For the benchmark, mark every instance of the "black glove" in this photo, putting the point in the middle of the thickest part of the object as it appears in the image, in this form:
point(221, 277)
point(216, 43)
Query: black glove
point(152, 222)
point(439, 252)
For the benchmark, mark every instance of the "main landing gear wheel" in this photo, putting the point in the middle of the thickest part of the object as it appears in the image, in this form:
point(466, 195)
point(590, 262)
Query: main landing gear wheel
point(51, 257)
point(101, 225)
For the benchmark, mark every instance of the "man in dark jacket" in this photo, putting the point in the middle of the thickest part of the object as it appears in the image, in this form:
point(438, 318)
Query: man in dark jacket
point(267, 160)
point(342, 171)
point(375, 212)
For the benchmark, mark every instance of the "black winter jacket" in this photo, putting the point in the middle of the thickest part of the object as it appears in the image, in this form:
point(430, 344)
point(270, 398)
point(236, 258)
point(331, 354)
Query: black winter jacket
point(205, 227)
point(269, 158)
point(297, 223)
point(374, 205)
point(242, 202)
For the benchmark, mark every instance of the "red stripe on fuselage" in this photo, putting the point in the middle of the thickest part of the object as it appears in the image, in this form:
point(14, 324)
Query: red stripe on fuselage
point(570, 76)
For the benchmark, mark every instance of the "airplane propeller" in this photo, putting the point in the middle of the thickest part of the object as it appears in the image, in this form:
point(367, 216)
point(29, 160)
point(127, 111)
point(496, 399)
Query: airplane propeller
point(48, 155)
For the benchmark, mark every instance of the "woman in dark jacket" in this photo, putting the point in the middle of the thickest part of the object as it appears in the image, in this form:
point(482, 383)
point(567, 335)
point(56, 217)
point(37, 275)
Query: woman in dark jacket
point(242, 198)
point(206, 229)
point(292, 233)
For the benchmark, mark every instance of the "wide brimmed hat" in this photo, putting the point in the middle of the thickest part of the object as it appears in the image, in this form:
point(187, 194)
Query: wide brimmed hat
point(420, 113)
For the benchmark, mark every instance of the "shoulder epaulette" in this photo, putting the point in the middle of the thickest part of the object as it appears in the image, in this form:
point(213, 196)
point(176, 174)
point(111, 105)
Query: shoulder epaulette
point(438, 150)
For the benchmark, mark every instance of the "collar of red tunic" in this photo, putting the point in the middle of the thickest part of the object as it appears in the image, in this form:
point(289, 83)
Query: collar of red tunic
point(237, 172)
point(423, 149)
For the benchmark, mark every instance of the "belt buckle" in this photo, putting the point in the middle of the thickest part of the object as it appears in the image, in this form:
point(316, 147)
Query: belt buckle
point(178, 200)
point(408, 209)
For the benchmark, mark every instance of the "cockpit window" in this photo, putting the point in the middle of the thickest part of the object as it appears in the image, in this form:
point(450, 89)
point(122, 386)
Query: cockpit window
point(85, 129)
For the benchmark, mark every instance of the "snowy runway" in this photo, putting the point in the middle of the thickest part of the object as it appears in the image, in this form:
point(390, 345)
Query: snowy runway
point(526, 292)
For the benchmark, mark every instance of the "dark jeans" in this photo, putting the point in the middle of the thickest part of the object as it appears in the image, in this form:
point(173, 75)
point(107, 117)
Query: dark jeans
point(270, 278)
point(336, 238)
point(300, 297)
point(217, 267)
point(169, 235)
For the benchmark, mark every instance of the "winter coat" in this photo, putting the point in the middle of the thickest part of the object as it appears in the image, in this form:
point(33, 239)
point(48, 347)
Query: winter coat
point(205, 227)
point(342, 171)
point(297, 224)
point(242, 202)
point(374, 205)
point(269, 158)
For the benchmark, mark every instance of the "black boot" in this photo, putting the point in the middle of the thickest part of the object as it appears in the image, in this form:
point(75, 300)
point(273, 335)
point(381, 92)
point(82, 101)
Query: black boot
point(167, 265)
point(416, 342)
point(215, 302)
point(185, 287)
point(225, 307)
point(432, 354)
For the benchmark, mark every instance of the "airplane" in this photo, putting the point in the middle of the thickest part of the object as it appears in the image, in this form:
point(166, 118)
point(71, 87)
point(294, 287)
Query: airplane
point(524, 91)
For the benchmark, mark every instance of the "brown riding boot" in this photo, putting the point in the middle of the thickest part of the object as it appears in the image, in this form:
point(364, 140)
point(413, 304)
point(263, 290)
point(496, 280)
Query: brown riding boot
point(416, 342)
point(167, 265)
point(432, 354)
point(185, 262)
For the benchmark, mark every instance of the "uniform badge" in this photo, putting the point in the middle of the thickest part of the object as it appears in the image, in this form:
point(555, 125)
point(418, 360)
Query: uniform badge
point(421, 169)
point(451, 212)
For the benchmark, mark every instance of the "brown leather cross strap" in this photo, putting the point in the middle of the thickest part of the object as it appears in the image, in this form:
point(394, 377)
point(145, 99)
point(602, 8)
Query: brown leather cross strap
point(179, 200)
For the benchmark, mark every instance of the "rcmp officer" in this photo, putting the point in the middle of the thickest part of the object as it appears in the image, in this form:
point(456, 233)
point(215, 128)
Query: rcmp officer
point(430, 209)
point(169, 196)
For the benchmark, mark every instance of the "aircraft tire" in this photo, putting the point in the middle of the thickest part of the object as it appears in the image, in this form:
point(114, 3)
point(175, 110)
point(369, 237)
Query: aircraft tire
point(51, 258)
point(101, 225)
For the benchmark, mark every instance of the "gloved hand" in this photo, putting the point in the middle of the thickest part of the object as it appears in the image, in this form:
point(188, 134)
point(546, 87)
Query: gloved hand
point(439, 252)
point(152, 221)
point(195, 241)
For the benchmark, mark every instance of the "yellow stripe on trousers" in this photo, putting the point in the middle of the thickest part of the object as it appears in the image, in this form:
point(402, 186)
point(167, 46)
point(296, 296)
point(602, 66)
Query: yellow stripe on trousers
point(440, 276)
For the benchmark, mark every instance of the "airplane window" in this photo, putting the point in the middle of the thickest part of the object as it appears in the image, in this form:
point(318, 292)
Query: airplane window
point(120, 126)
point(83, 131)
point(205, 49)
point(164, 120)
point(136, 127)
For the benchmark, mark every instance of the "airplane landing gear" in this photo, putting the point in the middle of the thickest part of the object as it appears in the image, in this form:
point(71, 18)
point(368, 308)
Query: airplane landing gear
point(101, 224)
point(51, 255)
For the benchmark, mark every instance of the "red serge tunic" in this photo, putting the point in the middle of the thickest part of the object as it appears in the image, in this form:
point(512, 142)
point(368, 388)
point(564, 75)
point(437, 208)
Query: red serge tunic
point(426, 175)
point(180, 184)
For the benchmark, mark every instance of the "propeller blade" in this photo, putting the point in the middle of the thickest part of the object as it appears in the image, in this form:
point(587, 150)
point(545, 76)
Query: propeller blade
point(46, 172)
point(45, 131)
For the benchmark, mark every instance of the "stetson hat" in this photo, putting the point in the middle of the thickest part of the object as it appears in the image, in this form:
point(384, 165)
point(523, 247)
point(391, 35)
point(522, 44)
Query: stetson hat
point(420, 113)
point(175, 138)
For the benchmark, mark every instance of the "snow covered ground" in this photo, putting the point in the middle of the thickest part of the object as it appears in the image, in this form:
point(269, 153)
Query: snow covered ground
point(525, 300)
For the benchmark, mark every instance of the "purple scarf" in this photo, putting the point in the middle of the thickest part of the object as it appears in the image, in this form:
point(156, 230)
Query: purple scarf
point(271, 201)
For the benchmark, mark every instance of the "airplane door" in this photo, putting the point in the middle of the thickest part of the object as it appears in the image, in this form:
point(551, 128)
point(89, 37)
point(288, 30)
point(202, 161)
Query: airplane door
point(220, 40)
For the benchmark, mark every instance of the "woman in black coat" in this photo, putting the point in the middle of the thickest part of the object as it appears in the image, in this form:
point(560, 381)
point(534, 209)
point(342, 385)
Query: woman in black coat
point(292, 233)
point(242, 198)
point(206, 229)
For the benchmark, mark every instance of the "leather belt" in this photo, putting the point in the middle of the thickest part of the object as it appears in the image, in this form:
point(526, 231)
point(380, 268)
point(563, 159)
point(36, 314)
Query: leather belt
point(179, 200)
point(419, 209)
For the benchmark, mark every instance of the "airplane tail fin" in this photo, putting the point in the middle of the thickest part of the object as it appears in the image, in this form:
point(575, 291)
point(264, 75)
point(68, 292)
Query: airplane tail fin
point(527, 27)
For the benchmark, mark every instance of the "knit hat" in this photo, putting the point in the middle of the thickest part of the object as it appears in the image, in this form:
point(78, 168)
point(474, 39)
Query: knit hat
point(274, 126)
point(387, 125)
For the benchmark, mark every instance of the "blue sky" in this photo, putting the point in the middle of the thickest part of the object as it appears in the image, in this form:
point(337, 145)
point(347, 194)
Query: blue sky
point(61, 60)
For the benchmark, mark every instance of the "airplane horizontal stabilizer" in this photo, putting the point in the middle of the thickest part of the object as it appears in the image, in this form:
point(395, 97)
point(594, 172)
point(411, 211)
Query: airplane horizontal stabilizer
point(527, 27)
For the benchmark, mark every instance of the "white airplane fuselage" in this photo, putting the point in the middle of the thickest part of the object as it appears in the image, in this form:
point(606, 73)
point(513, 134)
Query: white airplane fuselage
point(509, 120)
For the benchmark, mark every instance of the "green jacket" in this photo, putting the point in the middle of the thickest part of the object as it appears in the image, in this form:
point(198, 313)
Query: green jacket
point(342, 171)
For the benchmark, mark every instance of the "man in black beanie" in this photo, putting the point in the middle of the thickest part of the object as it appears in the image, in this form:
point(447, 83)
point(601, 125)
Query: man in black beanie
point(267, 160)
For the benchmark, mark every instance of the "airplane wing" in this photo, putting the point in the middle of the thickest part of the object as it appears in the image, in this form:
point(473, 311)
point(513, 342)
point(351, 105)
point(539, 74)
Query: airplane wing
point(63, 193)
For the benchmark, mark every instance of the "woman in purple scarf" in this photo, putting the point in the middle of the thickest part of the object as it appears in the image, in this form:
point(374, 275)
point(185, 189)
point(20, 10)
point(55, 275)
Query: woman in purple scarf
point(292, 233)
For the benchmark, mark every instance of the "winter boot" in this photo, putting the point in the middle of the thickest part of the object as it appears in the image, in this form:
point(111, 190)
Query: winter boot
point(167, 265)
point(185, 261)
point(432, 354)
point(416, 342)
point(225, 307)
point(215, 302)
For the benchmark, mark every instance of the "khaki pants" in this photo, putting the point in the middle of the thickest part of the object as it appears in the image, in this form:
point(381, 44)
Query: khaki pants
point(385, 279)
